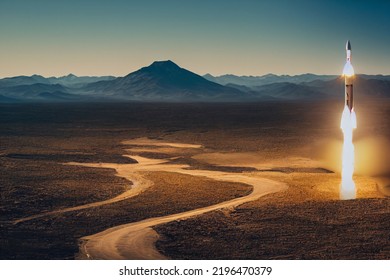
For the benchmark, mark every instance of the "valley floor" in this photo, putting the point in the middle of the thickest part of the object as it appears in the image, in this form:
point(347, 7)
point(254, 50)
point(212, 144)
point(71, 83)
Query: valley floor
point(55, 157)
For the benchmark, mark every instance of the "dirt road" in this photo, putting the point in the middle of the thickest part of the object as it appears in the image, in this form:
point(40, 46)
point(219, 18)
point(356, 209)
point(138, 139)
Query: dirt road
point(136, 240)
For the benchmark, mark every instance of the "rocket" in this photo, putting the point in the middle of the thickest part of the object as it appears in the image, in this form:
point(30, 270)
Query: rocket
point(348, 124)
point(348, 76)
point(349, 116)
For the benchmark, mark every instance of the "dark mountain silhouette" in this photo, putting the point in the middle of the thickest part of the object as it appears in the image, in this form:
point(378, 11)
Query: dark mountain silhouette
point(375, 77)
point(240, 87)
point(253, 81)
point(72, 80)
point(365, 87)
point(69, 80)
point(38, 92)
point(165, 81)
point(40, 89)
point(23, 80)
point(288, 91)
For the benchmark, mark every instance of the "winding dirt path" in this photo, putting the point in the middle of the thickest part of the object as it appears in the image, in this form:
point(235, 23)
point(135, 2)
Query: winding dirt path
point(126, 171)
point(130, 172)
point(136, 240)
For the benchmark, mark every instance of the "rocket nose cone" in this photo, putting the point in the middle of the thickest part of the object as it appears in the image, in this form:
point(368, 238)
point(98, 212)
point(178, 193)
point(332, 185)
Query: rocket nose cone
point(348, 46)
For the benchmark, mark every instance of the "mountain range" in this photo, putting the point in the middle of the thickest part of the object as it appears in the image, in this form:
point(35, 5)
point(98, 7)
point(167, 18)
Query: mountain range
point(167, 82)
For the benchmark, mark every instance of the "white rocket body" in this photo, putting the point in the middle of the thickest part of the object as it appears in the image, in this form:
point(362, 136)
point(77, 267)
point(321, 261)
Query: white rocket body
point(349, 116)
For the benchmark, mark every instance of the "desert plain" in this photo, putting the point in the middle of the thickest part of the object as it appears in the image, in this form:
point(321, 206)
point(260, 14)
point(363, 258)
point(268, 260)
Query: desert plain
point(191, 181)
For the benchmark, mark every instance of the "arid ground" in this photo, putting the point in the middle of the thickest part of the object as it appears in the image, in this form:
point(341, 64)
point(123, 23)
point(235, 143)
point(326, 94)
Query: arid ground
point(77, 175)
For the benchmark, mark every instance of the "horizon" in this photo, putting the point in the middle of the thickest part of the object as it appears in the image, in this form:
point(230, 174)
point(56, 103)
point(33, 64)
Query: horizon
point(249, 38)
point(226, 74)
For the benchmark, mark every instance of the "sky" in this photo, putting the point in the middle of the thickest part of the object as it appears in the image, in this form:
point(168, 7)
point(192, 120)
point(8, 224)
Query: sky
point(246, 37)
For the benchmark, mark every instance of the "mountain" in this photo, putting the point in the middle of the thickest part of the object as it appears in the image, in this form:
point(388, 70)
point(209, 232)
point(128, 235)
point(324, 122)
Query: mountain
point(69, 80)
point(36, 88)
point(363, 86)
point(287, 91)
point(307, 86)
point(253, 81)
point(375, 77)
point(164, 81)
point(37, 92)
point(23, 80)
point(72, 80)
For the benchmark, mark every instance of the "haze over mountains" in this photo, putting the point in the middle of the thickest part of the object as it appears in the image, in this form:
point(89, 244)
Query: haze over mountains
point(165, 81)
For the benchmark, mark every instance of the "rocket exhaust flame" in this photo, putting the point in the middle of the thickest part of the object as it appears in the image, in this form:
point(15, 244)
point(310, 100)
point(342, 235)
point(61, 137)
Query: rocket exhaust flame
point(348, 124)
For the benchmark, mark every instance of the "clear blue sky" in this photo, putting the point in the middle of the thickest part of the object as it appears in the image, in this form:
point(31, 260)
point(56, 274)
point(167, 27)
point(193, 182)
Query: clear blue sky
point(240, 37)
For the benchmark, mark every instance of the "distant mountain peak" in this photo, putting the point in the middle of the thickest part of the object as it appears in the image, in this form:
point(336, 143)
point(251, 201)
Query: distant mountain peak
point(35, 76)
point(164, 64)
point(269, 75)
point(158, 68)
